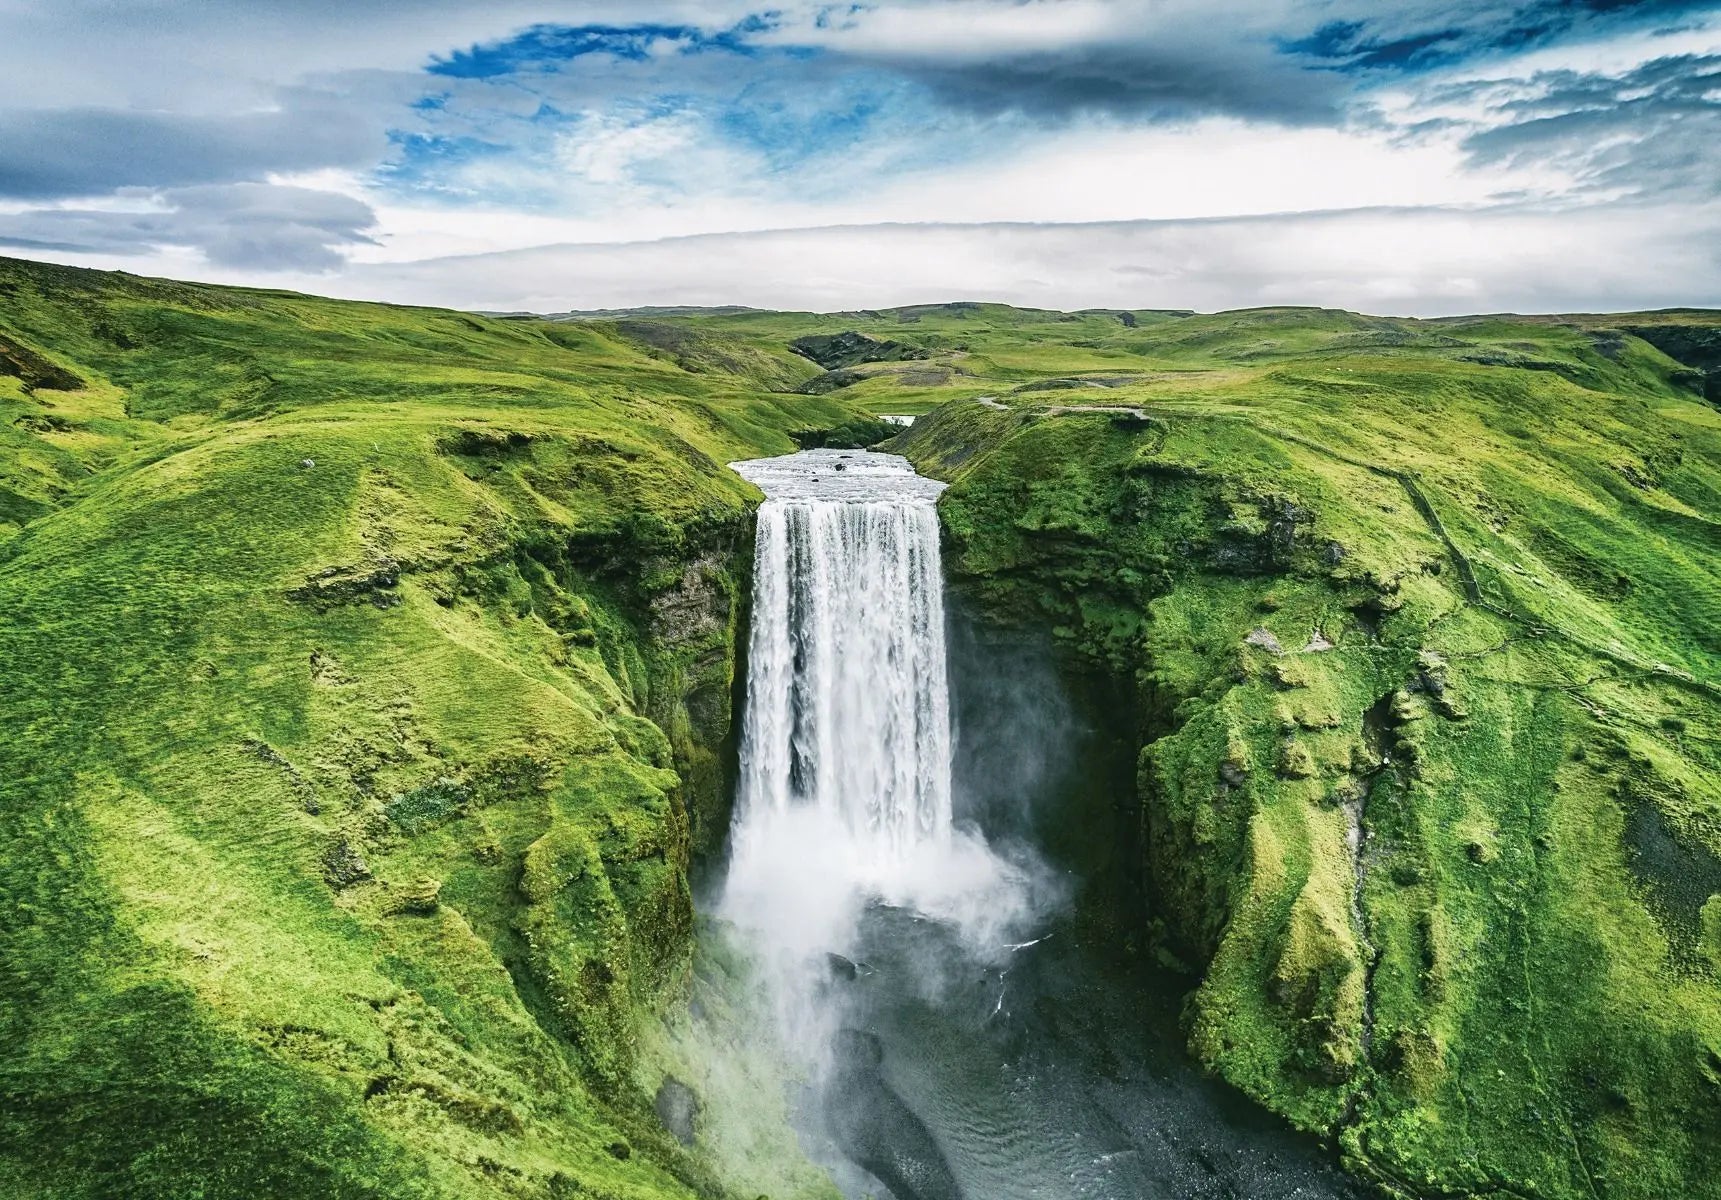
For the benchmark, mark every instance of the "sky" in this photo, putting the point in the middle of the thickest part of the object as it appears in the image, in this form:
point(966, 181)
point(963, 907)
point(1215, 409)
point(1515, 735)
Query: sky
point(1421, 157)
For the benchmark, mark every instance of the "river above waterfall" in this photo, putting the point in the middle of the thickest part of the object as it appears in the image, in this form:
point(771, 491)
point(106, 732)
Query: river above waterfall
point(960, 1033)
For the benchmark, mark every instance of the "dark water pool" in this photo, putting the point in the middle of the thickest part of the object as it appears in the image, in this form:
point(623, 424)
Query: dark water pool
point(1055, 1075)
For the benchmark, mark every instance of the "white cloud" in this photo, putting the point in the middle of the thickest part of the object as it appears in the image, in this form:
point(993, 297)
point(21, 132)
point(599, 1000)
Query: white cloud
point(1613, 54)
point(661, 181)
point(1414, 262)
point(1460, 93)
point(207, 55)
point(975, 30)
point(246, 226)
point(1212, 169)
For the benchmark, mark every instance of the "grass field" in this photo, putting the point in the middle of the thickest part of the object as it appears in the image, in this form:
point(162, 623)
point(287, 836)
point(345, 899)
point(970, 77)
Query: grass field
point(368, 676)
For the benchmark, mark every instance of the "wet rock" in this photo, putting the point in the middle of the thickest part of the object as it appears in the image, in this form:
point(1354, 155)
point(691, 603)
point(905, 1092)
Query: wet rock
point(43, 423)
point(850, 348)
point(485, 443)
point(844, 968)
point(1284, 517)
point(1639, 477)
point(37, 372)
point(858, 1049)
point(427, 806)
point(1431, 682)
point(877, 1129)
point(1697, 346)
point(831, 381)
point(1609, 343)
point(678, 1108)
point(696, 608)
point(1058, 385)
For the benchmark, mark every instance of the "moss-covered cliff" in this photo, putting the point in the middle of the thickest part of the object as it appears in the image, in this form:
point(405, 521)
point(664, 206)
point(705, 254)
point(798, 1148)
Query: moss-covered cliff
point(1424, 620)
point(367, 680)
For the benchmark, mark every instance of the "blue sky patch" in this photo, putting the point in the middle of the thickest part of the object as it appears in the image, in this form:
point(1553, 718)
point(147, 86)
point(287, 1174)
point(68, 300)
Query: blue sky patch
point(1357, 46)
point(548, 47)
point(422, 161)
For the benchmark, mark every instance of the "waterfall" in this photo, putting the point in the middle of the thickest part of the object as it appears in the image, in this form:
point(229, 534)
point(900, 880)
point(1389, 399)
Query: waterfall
point(845, 794)
point(847, 704)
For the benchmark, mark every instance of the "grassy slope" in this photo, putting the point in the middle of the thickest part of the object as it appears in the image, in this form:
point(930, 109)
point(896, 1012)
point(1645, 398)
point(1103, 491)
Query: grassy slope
point(1510, 530)
point(1506, 527)
point(367, 672)
point(973, 349)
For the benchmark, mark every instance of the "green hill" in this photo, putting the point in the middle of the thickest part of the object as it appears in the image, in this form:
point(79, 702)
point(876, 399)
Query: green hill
point(1423, 620)
point(368, 677)
point(368, 683)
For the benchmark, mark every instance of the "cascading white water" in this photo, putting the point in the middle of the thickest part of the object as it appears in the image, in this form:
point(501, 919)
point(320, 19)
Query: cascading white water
point(845, 788)
point(847, 696)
